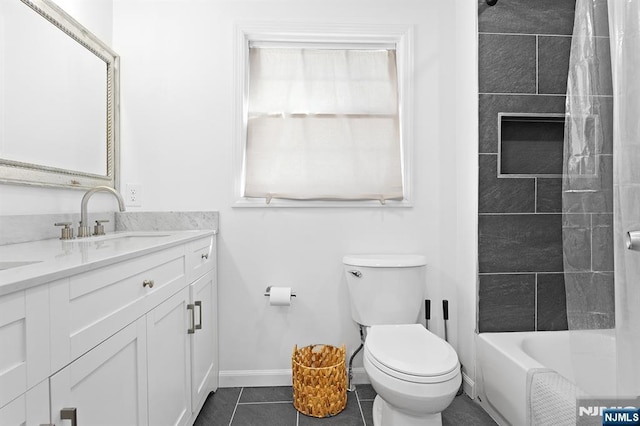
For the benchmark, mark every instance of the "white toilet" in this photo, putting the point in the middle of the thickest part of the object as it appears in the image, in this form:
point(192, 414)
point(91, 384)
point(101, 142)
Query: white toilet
point(415, 373)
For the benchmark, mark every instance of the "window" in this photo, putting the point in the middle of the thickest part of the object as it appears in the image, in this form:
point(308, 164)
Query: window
point(323, 120)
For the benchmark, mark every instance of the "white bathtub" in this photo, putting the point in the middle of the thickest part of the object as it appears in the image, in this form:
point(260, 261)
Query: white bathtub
point(504, 359)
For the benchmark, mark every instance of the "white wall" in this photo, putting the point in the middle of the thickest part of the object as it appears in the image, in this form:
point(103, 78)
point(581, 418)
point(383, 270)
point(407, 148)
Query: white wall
point(177, 100)
point(466, 189)
point(177, 141)
point(97, 16)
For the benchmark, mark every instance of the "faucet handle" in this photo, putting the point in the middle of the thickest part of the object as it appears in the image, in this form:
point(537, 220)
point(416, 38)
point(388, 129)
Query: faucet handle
point(98, 229)
point(67, 231)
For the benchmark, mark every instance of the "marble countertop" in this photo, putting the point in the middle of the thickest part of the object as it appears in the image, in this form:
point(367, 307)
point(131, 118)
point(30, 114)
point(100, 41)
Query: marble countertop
point(34, 263)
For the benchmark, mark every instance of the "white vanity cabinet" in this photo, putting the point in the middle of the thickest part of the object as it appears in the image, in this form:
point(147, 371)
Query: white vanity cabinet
point(24, 356)
point(130, 343)
point(168, 361)
point(30, 408)
point(204, 337)
point(183, 366)
point(89, 307)
point(107, 385)
point(204, 340)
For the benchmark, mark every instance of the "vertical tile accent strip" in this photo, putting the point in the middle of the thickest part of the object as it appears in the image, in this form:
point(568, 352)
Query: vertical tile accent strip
point(523, 52)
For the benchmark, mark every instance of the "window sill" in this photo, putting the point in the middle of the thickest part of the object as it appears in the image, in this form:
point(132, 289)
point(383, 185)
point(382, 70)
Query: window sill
point(281, 203)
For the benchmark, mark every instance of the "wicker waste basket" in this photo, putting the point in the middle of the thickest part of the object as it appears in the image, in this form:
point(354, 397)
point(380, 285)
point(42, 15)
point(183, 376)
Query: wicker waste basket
point(319, 380)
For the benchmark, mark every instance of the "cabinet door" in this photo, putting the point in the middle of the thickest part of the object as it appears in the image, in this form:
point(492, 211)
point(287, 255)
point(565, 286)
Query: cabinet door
point(107, 385)
point(24, 341)
point(204, 342)
point(168, 359)
point(30, 409)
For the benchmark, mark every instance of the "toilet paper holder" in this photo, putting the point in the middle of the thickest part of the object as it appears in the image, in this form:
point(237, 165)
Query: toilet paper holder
point(267, 292)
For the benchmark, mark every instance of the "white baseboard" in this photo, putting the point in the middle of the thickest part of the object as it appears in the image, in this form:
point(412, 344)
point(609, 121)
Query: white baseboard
point(360, 376)
point(262, 378)
point(255, 378)
point(469, 386)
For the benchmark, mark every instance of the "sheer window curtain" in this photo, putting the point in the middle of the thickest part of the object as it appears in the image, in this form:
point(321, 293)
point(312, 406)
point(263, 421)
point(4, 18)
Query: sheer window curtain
point(323, 124)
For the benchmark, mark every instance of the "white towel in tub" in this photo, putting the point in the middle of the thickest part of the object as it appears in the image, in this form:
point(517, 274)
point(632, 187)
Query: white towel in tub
point(551, 399)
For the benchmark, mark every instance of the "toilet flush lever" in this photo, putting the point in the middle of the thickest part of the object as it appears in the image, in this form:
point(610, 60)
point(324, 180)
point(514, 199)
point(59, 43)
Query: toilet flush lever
point(355, 273)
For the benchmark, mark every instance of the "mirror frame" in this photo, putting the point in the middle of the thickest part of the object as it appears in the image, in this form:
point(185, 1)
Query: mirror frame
point(16, 172)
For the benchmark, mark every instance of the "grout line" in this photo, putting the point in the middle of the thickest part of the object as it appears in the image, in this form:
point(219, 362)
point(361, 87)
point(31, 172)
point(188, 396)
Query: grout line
point(236, 407)
point(537, 68)
point(364, 422)
point(264, 402)
point(519, 273)
point(535, 303)
point(536, 94)
point(533, 94)
point(535, 195)
point(591, 241)
point(535, 34)
point(520, 214)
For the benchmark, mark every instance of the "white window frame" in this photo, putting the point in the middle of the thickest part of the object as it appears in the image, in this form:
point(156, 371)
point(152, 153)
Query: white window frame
point(313, 35)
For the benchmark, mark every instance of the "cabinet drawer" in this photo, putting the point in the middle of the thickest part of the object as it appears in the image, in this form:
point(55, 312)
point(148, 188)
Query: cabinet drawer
point(24, 342)
point(29, 409)
point(92, 306)
point(201, 257)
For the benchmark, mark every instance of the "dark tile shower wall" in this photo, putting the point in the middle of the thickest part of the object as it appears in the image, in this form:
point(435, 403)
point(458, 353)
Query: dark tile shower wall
point(524, 50)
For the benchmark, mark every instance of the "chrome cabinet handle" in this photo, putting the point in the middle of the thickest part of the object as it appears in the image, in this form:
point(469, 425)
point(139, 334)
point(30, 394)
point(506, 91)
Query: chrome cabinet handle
point(147, 283)
point(204, 256)
point(70, 414)
point(191, 329)
point(198, 303)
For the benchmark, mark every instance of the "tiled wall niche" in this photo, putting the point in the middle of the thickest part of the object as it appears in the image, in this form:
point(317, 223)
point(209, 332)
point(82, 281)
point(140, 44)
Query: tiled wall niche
point(523, 64)
point(530, 145)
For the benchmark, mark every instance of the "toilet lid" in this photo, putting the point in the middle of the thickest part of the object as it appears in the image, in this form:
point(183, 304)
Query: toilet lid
point(411, 349)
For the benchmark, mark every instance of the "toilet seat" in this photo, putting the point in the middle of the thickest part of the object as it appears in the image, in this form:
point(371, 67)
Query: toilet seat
point(412, 353)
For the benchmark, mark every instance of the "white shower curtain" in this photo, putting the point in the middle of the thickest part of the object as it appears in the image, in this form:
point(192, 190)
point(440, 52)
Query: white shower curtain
point(624, 27)
point(601, 181)
point(587, 197)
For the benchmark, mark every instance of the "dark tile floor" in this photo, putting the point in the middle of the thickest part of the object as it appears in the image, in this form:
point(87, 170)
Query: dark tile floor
point(272, 406)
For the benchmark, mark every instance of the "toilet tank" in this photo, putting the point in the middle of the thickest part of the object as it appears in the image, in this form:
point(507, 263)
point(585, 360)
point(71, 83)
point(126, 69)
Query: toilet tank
point(385, 289)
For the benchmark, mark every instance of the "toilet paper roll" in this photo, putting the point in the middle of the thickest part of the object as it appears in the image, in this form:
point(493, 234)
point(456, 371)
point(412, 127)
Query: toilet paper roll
point(280, 296)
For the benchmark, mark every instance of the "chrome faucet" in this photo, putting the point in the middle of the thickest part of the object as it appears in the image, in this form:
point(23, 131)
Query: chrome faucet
point(83, 229)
